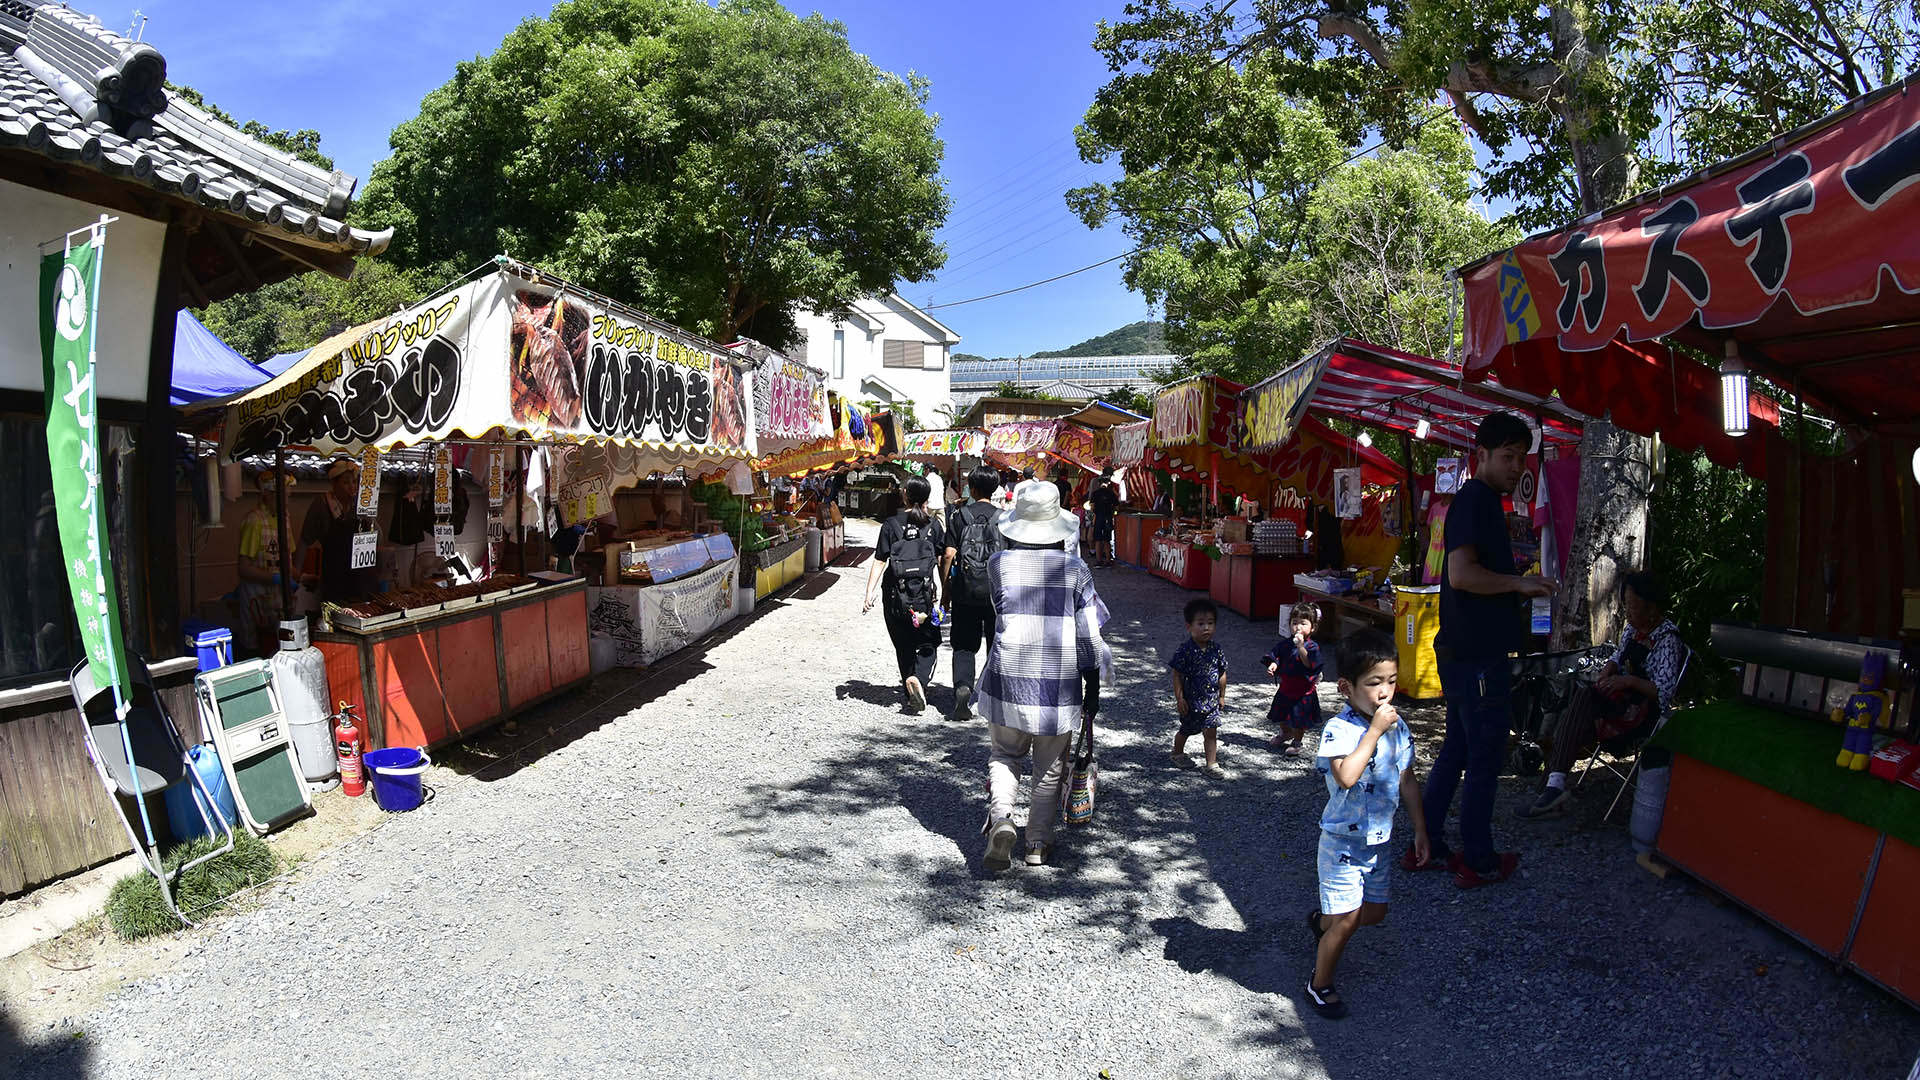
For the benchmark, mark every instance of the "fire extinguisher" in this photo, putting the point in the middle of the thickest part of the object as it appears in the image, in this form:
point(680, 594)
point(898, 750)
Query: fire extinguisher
point(347, 745)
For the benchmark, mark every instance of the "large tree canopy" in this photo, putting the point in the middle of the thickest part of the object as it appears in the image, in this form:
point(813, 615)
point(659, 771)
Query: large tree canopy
point(1582, 101)
point(718, 166)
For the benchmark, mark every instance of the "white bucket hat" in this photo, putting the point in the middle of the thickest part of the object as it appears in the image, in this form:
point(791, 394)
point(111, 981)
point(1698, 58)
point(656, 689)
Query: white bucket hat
point(1036, 516)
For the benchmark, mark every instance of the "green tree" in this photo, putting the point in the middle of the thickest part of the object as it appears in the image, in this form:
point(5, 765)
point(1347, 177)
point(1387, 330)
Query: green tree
point(303, 144)
point(1144, 338)
point(720, 166)
point(302, 311)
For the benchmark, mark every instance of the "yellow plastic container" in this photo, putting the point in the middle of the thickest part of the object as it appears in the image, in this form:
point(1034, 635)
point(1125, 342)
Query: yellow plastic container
point(1416, 619)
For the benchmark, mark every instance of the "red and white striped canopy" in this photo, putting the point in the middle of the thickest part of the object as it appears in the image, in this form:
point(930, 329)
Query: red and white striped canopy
point(1392, 389)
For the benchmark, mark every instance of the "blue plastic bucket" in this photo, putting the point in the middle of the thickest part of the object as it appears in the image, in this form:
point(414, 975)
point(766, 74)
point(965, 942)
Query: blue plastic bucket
point(395, 773)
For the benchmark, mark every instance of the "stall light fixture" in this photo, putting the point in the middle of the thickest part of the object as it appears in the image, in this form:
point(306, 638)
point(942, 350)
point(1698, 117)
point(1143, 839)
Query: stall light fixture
point(1423, 429)
point(1733, 391)
point(1365, 439)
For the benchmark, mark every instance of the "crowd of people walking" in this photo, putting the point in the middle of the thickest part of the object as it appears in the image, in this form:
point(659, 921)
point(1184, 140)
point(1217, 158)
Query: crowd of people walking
point(1004, 571)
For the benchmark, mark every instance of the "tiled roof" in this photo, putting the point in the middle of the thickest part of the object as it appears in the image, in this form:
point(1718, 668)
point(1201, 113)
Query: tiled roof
point(75, 92)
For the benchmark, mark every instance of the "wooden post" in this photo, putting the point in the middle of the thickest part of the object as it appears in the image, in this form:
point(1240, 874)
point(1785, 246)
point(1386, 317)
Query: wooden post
point(520, 509)
point(1409, 529)
point(280, 524)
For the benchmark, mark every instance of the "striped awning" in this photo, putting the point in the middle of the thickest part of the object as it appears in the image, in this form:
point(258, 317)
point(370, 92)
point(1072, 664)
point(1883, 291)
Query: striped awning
point(1392, 389)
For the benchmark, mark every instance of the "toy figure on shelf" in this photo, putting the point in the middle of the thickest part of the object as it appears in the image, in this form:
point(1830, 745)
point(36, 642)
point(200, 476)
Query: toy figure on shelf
point(1864, 709)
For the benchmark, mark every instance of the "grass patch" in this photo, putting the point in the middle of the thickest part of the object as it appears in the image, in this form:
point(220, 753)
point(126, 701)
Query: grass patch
point(135, 909)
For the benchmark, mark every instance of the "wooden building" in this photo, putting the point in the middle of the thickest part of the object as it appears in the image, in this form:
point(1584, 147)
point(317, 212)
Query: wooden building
point(87, 128)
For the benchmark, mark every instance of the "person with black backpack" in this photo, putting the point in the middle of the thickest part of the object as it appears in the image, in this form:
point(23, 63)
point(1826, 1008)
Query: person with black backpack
point(909, 551)
point(972, 538)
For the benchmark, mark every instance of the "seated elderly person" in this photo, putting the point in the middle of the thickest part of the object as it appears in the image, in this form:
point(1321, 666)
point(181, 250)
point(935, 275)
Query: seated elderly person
point(1634, 690)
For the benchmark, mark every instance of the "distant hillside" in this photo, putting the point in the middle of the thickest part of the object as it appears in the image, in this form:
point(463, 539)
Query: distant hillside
point(1144, 338)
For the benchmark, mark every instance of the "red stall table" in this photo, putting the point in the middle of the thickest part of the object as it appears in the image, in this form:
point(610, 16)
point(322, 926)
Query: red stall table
point(1750, 786)
point(438, 677)
point(1181, 563)
point(1132, 537)
point(1257, 586)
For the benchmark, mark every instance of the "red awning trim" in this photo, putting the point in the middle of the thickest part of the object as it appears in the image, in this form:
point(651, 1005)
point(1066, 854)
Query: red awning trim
point(1388, 388)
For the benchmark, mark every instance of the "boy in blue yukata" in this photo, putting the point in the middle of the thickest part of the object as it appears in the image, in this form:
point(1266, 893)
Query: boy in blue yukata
point(1199, 684)
point(1366, 754)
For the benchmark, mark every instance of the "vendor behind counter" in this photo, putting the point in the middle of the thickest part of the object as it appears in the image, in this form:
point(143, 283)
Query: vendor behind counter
point(330, 524)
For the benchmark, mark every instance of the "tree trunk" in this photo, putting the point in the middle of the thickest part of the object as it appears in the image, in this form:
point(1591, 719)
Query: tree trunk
point(1611, 531)
point(1611, 535)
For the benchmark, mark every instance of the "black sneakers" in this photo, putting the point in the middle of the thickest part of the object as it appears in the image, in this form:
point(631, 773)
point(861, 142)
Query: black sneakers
point(1550, 803)
point(1326, 1001)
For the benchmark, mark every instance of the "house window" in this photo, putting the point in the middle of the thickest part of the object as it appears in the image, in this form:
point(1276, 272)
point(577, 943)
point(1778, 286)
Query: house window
point(839, 354)
point(903, 354)
point(936, 357)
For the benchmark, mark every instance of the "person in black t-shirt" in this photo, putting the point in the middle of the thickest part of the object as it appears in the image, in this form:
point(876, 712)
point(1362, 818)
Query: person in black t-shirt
point(1105, 501)
point(1482, 613)
point(907, 559)
point(972, 619)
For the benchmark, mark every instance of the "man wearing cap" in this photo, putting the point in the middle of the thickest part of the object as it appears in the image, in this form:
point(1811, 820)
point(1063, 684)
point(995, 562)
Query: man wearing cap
point(1034, 693)
point(330, 523)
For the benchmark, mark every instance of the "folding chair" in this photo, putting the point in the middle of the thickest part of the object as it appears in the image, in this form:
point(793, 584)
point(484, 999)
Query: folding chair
point(1631, 748)
point(159, 759)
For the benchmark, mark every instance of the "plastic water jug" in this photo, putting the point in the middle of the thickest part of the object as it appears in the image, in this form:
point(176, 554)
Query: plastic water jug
point(300, 675)
point(1649, 807)
point(184, 799)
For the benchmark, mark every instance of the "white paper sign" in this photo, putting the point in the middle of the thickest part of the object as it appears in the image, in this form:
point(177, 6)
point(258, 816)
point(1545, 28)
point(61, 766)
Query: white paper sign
point(1446, 475)
point(443, 541)
point(1346, 493)
point(366, 549)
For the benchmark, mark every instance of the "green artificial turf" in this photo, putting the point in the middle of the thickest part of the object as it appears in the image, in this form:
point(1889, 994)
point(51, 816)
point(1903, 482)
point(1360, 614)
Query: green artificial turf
point(1793, 756)
point(134, 907)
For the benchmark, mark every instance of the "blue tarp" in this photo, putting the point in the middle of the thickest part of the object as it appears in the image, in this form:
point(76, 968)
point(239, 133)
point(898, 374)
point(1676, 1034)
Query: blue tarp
point(278, 364)
point(204, 367)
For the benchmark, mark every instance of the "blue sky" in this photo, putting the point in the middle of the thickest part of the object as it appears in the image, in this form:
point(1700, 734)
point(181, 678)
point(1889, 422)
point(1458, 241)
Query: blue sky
point(1010, 80)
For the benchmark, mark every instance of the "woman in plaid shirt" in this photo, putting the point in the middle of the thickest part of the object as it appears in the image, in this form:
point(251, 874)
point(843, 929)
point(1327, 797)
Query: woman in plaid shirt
point(1042, 674)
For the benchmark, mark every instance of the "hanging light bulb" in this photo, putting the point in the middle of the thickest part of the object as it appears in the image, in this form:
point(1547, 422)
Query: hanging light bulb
point(1733, 391)
point(1365, 438)
point(1423, 429)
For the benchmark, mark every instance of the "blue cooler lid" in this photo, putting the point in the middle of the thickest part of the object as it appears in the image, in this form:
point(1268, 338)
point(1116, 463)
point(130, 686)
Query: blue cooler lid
point(205, 634)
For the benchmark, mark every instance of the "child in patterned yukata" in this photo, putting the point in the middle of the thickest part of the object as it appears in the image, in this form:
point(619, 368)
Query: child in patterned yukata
point(1199, 683)
point(1366, 754)
point(1296, 662)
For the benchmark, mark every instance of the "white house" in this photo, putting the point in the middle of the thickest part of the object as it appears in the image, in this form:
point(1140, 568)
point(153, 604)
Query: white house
point(887, 351)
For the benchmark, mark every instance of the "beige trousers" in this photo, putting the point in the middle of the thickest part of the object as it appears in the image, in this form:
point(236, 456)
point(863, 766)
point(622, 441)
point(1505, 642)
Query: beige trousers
point(1010, 746)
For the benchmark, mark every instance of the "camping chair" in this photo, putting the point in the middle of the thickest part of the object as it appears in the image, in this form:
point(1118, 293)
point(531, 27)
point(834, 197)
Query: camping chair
point(1625, 753)
point(159, 759)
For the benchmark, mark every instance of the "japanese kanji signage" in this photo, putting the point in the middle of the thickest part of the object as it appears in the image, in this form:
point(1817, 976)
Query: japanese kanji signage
point(1274, 407)
point(1813, 223)
point(1181, 413)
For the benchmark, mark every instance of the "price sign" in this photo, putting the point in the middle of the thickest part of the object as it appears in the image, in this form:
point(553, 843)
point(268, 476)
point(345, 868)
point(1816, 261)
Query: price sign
point(443, 541)
point(369, 501)
point(584, 500)
point(497, 476)
point(442, 480)
point(496, 527)
point(366, 550)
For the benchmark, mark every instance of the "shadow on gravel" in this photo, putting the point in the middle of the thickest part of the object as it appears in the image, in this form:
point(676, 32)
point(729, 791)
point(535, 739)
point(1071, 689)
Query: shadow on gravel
point(887, 697)
point(61, 1057)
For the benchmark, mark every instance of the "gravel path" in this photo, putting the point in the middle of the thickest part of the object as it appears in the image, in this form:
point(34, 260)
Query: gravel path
point(750, 863)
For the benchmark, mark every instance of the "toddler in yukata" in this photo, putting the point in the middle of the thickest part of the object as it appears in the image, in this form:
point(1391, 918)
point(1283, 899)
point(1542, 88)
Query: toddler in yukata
point(1199, 683)
point(1366, 754)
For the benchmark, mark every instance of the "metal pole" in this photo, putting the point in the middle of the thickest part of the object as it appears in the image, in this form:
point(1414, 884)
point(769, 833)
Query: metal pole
point(520, 509)
point(280, 526)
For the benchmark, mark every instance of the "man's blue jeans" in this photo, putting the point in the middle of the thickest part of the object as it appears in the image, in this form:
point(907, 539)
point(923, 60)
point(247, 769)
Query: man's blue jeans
point(1476, 744)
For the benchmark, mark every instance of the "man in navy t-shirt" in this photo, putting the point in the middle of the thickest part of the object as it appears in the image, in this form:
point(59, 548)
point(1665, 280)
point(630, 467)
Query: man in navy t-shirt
point(1482, 613)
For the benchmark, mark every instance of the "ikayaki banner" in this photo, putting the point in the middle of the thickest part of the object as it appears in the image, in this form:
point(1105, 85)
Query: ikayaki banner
point(1022, 436)
point(504, 353)
point(1181, 414)
point(1130, 443)
point(1274, 407)
point(1813, 224)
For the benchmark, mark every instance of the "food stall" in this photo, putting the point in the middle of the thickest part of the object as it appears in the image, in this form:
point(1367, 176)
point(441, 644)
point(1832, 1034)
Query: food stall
point(1134, 527)
point(1197, 434)
point(1797, 263)
point(512, 359)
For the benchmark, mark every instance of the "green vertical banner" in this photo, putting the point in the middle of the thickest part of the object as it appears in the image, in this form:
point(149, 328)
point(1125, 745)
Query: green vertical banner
point(69, 304)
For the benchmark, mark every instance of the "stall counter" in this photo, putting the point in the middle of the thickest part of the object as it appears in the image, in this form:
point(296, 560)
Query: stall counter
point(1751, 786)
point(1132, 537)
point(1257, 586)
point(779, 566)
point(428, 681)
point(1181, 563)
